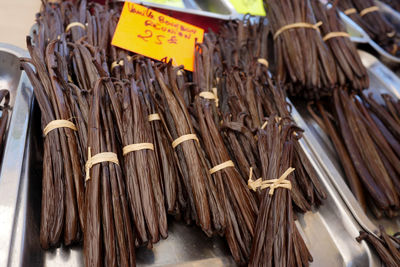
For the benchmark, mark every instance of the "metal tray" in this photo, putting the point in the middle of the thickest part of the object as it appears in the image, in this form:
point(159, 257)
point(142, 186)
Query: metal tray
point(382, 81)
point(15, 80)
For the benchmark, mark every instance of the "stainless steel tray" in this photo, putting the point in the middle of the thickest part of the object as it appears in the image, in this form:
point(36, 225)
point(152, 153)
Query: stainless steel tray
point(382, 81)
point(15, 80)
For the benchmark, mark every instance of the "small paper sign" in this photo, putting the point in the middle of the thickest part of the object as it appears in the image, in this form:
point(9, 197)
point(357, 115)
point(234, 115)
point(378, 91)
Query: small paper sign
point(155, 35)
point(253, 7)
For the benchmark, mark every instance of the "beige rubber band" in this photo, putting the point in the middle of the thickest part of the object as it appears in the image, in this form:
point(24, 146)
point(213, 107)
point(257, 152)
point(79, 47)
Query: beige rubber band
point(263, 61)
point(99, 158)
point(297, 25)
point(335, 34)
point(117, 64)
point(350, 11)
point(58, 124)
point(179, 72)
point(211, 95)
point(368, 10)
point(154, 117)
point(391, 34)
point(74, 24)
point(184, 138)
point(222, 166)
point(272, 184)
point(136, 147)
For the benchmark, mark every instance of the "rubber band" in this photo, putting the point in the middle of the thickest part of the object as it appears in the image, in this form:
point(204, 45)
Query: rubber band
point(179, 72)
point(334, 35)
point(391, 34)
point(211, 95)
point(99, 158)
point(58, 124)
point(117, 64)
point(350, 11)
point(154, 117)
point(297, 25)
point(184, 138)
point(136, 147)
point(263, 61)
point(221, 166)
point(74, 24)
point(273, 184)
point(367, 10)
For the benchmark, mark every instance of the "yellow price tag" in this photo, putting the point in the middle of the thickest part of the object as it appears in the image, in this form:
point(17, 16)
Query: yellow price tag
point(253, 7)
point(174, 3)
point(153, 34)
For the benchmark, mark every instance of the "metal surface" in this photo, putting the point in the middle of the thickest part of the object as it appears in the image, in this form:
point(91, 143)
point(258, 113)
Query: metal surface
point(382, 81)
point(12, 78)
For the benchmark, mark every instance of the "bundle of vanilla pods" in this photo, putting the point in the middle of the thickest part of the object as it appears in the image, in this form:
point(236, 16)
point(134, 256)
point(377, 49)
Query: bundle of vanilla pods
point(366, 14)
point(312, 50)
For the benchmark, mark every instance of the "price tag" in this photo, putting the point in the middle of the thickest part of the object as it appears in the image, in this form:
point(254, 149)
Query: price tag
point(253, 7)
point(155, 35)
point(174, 3)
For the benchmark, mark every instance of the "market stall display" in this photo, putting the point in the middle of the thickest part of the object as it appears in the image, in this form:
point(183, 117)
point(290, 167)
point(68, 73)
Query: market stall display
point(133, 147)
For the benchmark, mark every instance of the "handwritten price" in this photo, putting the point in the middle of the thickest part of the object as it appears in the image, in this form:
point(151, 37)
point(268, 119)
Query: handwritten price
point(157, 39)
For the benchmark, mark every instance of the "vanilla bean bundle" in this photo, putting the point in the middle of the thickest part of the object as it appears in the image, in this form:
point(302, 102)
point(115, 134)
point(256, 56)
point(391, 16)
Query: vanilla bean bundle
point(277, 241)
point(350, 69)
point(63, 191)
point(204, 203)
point(108, 238)
point(303, 59)
point(174, 198)
point(141, 166)
point(366, 14)
point(238, 203)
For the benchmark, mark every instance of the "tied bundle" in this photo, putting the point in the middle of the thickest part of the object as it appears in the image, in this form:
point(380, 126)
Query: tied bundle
point(108, 238)
point(350, 69)
point(238, 203)
point(366, 14)
point(62, 189)
point(203, 205)
point(303, 60)
point(277, 240)
point(141, 167)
